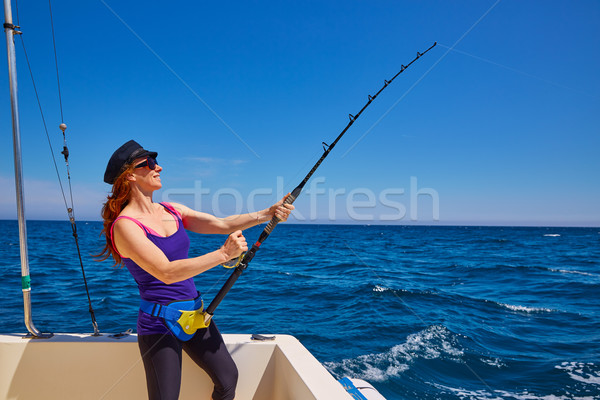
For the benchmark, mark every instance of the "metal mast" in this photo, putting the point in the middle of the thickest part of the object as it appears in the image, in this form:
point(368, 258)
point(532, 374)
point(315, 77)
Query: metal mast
point(11, 30)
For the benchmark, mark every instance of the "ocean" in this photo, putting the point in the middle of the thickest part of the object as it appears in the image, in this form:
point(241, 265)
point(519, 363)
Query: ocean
point(421, 312)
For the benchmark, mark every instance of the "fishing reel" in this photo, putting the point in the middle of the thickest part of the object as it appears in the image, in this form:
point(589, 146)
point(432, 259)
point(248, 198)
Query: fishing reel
point(234, 262)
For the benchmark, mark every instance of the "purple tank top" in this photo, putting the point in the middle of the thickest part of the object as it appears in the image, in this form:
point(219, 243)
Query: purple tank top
point(175, 247)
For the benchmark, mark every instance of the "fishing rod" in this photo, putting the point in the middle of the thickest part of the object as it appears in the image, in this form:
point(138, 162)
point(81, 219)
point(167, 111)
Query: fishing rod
point(249, 255)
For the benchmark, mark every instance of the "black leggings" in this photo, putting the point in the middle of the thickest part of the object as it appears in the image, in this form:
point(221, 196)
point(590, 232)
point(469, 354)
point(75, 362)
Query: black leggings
point(162, 361)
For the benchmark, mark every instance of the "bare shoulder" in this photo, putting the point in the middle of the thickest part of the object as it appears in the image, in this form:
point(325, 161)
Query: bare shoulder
point(131, 240)
point(183, 210)
point(126, 227)
point(197, 221)
point(187, 212)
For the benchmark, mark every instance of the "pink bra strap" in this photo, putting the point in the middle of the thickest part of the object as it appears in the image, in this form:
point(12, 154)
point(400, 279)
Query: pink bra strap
point(172, 211)
point(145, 229)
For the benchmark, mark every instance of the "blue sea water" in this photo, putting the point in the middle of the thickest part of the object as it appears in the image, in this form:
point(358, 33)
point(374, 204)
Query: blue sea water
point(420, 312)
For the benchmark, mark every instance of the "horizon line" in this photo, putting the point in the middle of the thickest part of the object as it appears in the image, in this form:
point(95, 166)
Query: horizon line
point(383, 223)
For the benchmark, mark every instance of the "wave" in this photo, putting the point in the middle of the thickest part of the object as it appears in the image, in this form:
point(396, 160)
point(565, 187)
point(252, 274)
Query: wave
point(460, 297)
point(521, 268)
point(546, 269)
point(482, 394)
point(433, 342)
point(401, 292)
point(383, 289)
point(524, 308)
point(294, 274)
point(581, 372)
point(493, 362)
point(552, 235)
point(566, 271)
point(380, 289)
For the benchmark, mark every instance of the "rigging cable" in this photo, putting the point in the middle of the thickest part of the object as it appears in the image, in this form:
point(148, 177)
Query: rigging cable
point(62, 119)
point(65, 153)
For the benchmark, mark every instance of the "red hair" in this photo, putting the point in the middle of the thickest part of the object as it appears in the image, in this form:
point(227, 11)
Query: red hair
point(115, 203)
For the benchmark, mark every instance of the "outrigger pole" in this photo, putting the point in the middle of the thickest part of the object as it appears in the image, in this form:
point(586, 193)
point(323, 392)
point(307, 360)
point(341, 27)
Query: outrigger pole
point(11, 30)
point(249, 255)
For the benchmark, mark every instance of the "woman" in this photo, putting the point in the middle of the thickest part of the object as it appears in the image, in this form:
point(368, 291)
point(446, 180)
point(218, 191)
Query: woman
point(150, 240)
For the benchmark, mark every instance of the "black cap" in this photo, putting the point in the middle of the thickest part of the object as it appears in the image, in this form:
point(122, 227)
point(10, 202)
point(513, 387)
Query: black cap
point(123, 156)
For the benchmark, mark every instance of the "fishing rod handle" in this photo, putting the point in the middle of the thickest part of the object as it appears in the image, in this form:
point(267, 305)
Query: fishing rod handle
point(210, 310)
point(244, 258)
point(274, 221)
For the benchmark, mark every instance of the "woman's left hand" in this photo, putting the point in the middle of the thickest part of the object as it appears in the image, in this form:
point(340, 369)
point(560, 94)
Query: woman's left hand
point(280, 210)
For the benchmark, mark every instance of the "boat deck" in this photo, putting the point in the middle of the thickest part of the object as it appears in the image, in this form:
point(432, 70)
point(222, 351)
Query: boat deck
point(76, 366)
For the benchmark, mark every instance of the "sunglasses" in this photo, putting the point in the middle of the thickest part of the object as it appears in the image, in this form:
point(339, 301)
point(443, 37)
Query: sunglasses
point(150, 163)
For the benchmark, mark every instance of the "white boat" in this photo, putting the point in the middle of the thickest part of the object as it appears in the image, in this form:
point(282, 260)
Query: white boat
point(80, 366)
point(101, 366)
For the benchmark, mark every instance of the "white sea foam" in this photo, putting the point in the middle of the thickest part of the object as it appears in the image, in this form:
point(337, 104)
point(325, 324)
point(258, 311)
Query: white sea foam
point(434, 342)
point(581, 372)
point(526, 309)
point(566, 271)
point(552, 235)
point(494, 362)
point(378, 288)
point(466, 394)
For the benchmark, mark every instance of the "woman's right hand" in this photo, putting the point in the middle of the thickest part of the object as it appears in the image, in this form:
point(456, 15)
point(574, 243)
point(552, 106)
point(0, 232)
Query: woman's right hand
point(234, 246)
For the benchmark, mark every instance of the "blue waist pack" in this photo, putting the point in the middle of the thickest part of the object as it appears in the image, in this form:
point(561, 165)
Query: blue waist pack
point(183, 318)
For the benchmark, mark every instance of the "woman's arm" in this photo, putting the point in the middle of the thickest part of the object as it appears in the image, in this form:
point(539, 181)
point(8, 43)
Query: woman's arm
point(131, 242)
point(200, 222)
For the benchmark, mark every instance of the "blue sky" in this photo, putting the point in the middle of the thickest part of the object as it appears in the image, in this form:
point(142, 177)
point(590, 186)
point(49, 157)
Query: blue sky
point(498, 125)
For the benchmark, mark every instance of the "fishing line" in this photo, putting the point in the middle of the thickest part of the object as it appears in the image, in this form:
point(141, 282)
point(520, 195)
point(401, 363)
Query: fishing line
point(65, 152)
point(517, 71)
point(243, 261)
point(288, 187)
point(423, 76)
point(179, 78)
point(62, 120)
